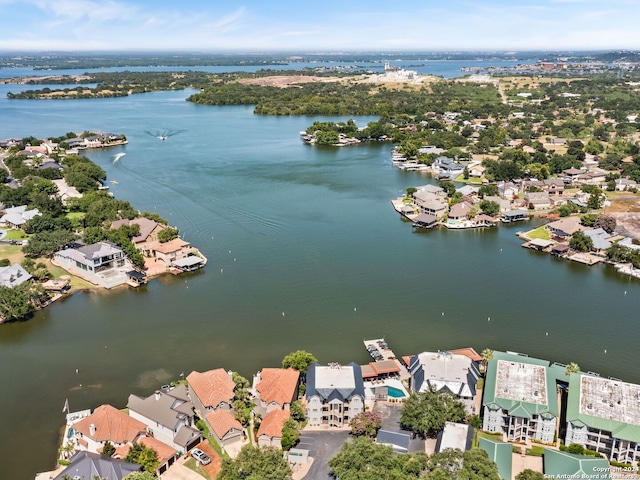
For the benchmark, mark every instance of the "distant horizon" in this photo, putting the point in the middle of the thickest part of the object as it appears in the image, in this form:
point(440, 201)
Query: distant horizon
point(317, 52)
point(284, 25)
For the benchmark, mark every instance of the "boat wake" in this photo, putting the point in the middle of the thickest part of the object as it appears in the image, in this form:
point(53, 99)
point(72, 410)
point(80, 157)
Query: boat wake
point(163, 134)
point(118, 156)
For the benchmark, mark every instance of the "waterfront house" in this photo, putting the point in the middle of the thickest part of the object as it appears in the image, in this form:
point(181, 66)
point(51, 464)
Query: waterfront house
point(270, 431)
point(17, 217)
point(562, 229)
point(430, 203)
point(148, 232)
point(275, 388)
point(211, 391)
point(520, 398)
point(335, 394)
point(459, 212)
point(176, 253)
point(225, 428)
point(87, 465)
point(13, 275)
point(169, 417)
point(444, 371)
point(603, 415)
point(477, 171)
point(600, 239)
point(107, 423)
point(97, 258)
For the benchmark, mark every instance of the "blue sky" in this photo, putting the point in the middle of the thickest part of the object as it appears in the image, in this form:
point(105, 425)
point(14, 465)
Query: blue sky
point(327, 25)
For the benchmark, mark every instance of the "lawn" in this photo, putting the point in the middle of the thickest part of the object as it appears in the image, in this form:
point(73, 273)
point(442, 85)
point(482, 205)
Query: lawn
point(12, 252)
point(76, 282)
point(193, 465)
point(15, 235)
point(540, 232)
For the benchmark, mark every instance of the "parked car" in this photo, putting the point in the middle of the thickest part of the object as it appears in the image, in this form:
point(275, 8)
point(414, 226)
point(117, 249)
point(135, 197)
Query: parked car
point(199, 455)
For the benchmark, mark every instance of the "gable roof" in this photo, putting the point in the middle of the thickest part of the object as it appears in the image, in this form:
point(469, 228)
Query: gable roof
point(110, 424)
point(279, 385)
point(499, 452)
point(88, 465)
point(13, 275)
point(222, 421)
point(212, 387)
point(164, 451)
point(559, 464)
point(273, 422)
point(162, 408)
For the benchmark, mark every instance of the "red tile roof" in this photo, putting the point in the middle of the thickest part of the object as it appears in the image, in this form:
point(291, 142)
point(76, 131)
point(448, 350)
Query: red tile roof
point(165, 452)
point(212, 387)
point(221, 421)
point(273, 422)
point(174, 245)
point(110, 424)
point(278, 385)
point(468, 352)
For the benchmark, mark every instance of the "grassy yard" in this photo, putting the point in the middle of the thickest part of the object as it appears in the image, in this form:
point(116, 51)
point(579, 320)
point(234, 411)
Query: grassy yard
point(12, 252)
point(193, 465)
point(76, 282)
point(540, 232)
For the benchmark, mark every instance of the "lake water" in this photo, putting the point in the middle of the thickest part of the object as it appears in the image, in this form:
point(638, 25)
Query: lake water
point(305, 252)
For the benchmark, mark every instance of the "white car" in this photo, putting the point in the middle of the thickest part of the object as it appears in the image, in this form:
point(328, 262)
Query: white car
point(199, 455)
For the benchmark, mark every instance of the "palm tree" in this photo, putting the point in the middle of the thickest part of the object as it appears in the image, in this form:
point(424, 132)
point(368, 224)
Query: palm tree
point(487, 354)
point(572, 368)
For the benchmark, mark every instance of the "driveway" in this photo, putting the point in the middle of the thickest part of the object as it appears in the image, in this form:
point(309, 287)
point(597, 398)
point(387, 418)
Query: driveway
point(322, 445)
point(390, 413)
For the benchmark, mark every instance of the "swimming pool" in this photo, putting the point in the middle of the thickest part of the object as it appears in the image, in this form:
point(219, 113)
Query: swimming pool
point(392, 392)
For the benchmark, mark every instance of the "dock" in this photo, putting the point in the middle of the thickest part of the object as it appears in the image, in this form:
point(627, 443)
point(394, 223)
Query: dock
point(381, 352)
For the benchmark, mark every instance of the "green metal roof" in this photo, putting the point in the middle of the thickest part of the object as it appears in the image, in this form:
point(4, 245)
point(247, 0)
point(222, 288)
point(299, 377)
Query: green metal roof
point(621, 430)
point(514, 407)
point(559, 464)
point(499, 452)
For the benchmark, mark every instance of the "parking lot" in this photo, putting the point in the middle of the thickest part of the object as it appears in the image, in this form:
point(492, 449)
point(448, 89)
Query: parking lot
point(322, 445)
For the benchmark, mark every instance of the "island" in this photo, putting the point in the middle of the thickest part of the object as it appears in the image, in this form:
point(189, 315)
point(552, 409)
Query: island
point(62, 230)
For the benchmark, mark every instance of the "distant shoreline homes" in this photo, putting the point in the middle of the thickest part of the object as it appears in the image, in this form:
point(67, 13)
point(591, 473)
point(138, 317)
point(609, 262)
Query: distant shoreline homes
point(125, 246)
point(523, 401)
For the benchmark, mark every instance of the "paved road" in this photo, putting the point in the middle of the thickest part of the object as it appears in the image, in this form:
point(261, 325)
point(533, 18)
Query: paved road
point(322, 446)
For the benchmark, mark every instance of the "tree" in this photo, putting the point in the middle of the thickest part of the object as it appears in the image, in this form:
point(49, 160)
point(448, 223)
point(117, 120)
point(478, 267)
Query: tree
point(297, 412)
point(490, 190)
point(146, 457)
point(290, 434)
point(108, 449)
point(426, 413)
point(529, 474)
point(487, 355)
point(366, 423)
point(606, 222)
point(576, 449)
point(140, 476)
point(581, 242)
point(167, 234)
point(299, 360)
point(572, 368)
point(362, 459)
point(254, 463)
point(473, 464)
point(489, 208)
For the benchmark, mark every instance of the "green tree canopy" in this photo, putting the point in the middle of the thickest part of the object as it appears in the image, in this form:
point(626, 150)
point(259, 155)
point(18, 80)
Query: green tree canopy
point(253, 463)
point(529, 474)
point(426, 413)
point(146, 457)
point(366, 423)
point(299, 360)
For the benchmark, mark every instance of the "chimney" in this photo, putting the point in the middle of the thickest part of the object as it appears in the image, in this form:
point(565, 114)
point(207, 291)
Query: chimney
point(157, 395)
point(92, 430)
point(230, 373)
